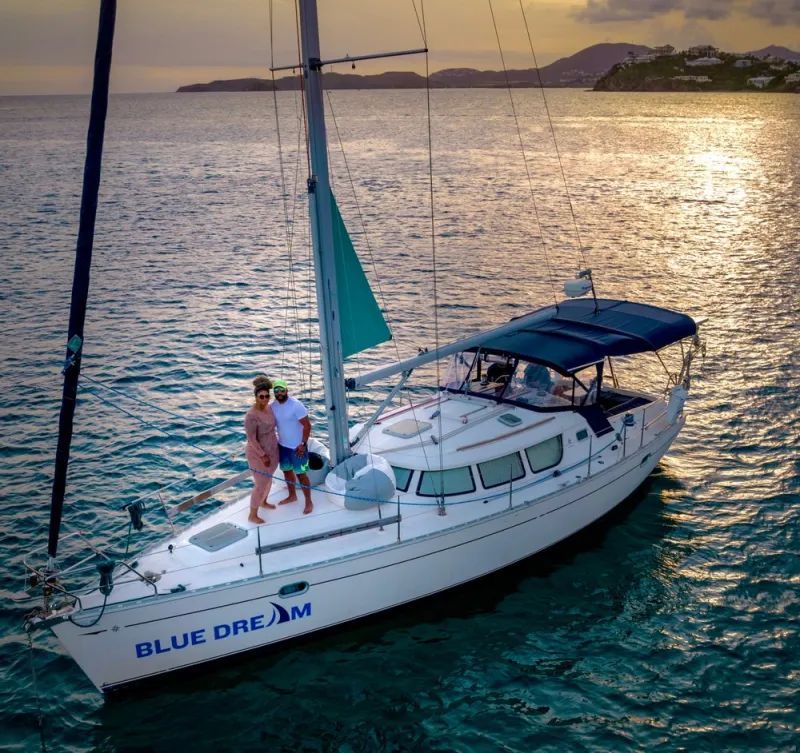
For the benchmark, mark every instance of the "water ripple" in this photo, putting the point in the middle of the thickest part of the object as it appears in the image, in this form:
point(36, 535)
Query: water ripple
point(673, 627)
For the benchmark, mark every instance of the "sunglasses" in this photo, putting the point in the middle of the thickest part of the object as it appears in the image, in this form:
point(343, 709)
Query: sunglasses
point(279, 389)
point(263, 395)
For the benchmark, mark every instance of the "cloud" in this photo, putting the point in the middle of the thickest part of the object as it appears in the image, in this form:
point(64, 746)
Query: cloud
point(777, 12)
point(713, 10)
point(603, 11)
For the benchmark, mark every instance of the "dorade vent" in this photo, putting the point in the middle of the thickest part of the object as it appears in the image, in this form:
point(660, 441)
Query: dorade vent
point(407, 428)
point(218, 537)
point(509, 419)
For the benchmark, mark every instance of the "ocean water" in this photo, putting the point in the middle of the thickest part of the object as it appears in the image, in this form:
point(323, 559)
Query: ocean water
point(673, 626)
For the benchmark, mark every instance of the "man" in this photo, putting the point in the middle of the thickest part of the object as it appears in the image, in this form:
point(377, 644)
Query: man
point(294, 428)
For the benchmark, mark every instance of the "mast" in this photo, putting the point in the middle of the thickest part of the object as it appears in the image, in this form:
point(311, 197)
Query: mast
point(83, 260)
point(321, 214)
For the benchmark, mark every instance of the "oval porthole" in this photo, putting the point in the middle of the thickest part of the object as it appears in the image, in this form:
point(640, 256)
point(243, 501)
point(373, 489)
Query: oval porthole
point(292, 589)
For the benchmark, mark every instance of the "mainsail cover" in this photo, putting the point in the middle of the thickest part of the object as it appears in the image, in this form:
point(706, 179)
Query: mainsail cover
point(361, 321)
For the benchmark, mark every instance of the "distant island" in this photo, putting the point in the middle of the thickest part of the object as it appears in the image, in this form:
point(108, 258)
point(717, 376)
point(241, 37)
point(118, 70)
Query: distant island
point(582, 69)
point(604, 67)
point(702, 68)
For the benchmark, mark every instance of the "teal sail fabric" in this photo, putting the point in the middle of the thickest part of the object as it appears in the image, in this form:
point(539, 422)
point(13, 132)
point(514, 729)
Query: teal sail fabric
point(361, 320)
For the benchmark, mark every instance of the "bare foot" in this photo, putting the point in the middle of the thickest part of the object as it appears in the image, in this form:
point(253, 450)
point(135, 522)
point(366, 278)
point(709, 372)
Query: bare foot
point(308, 508)
point(291, 498)
point(253, 518)
point(268, 505)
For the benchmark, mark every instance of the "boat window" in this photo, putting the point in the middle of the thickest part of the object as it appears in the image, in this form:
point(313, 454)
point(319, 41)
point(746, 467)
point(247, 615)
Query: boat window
point(537, 376)
point(491, 374)
point(402, 478)
point(458, 371)
point(545, 454)
point(445, 483)
point(536, 384)
point(293, 589)
point(501, 470)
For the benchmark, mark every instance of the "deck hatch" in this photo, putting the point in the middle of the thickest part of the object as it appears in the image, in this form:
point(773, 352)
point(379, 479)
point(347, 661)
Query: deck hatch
point(407, 428)
point(218, 537)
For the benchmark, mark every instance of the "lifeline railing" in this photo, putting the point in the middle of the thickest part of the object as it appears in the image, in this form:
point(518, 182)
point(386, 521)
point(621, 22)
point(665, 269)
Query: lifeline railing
point(325, 535)
point(82, 566)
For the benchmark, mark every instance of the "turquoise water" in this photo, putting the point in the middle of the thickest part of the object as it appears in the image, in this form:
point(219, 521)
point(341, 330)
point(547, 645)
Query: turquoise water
point(674, 626)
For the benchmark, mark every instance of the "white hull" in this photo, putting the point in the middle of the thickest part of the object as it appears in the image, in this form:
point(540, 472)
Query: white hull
point(180, 630)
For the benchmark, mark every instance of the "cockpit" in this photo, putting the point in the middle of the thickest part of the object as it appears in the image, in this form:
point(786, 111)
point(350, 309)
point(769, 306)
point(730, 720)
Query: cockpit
point(513, 379)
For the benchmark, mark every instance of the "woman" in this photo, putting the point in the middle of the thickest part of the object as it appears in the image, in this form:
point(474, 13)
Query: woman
point(262, 446)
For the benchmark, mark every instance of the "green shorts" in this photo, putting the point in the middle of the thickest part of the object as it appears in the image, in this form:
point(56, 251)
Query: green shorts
point(291, 460)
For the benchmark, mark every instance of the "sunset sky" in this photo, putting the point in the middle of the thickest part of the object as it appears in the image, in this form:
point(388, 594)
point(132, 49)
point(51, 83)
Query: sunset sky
point(47, 46)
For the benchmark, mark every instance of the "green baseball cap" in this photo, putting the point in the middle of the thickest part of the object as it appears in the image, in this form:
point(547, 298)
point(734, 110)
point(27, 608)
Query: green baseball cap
point(278, 383)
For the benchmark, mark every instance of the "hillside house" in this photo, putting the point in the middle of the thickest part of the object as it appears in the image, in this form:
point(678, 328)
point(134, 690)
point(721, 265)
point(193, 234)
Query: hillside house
point(633, 59)
point(759, 81)
point(702, 50)
point(703, 62)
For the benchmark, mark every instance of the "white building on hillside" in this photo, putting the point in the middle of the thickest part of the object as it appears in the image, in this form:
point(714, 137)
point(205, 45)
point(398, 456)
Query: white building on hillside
point(703, 50)
point(793, 78)
point(703, 61)
point(759, 81)
point(631, 59)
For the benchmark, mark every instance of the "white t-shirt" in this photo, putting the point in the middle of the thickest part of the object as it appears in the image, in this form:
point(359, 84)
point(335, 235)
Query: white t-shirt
point(287, 417)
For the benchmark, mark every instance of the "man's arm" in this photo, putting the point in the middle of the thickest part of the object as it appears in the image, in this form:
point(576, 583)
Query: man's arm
point(305, 422)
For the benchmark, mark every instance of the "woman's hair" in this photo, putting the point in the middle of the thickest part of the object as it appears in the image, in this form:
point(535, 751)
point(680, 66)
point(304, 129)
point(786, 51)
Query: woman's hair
point(261, 382)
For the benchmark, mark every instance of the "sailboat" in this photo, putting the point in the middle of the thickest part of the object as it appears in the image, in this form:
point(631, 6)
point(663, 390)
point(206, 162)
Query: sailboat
point(529, 439)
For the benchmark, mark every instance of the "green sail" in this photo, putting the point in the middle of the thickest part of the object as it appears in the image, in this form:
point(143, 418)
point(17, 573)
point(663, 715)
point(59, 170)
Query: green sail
point(361, 320)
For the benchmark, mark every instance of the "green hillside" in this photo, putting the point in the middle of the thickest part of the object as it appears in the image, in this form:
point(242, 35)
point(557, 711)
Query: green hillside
point(667, 72)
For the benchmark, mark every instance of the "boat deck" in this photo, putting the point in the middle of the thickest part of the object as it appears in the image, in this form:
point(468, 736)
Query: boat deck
point(468, 430)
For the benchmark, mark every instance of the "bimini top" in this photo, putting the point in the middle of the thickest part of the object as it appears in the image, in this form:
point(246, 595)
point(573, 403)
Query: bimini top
point(576, 335)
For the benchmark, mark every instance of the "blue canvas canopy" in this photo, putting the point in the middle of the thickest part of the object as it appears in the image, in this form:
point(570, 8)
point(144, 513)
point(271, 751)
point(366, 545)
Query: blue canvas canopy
point(579, 334)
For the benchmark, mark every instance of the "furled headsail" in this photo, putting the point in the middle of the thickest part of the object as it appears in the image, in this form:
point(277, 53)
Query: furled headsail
point(362, 324)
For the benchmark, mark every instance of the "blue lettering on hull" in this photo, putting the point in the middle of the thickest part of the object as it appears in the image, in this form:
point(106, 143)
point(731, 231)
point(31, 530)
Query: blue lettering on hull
point(224, 630)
